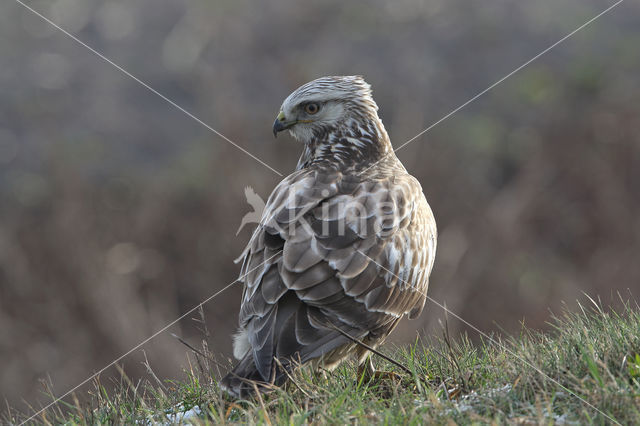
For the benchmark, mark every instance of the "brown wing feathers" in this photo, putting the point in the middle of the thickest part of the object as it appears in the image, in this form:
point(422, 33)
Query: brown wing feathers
point(325, 273)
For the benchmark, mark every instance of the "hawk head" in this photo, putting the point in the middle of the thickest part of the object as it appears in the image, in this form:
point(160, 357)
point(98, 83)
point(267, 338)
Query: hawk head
point(337, 119)
point(325, 104)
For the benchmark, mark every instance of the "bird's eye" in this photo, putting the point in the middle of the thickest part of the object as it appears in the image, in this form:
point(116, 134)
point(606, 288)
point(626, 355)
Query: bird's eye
point(311, 108)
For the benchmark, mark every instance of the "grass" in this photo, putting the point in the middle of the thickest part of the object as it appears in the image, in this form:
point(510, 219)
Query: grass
point(591, 358)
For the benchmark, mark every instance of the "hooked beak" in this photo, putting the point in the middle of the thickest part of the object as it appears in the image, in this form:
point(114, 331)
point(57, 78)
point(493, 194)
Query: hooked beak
point(281, 124)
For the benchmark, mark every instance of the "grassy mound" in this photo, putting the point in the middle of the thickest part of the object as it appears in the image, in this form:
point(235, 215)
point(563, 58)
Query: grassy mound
point(586, 370)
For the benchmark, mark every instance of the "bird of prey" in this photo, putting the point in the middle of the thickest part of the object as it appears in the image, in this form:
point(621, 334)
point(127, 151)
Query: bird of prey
point(344, 247)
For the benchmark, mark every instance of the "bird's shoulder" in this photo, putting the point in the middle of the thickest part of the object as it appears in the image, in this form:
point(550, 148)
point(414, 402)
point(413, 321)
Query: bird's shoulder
point(327, 216)
point(306, 189)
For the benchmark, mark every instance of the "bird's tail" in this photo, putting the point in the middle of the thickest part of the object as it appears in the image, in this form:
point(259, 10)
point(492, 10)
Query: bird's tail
point(242, 381)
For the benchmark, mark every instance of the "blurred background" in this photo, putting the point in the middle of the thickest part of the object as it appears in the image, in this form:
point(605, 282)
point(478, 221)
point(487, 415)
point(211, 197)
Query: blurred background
point(118, 213)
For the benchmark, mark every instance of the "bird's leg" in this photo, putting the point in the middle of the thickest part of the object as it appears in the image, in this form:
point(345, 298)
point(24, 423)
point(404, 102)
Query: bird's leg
point(321, 374)
point(367, 372)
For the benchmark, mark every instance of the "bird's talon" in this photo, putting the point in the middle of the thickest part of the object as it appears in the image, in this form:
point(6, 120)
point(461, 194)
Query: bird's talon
point(387, 375)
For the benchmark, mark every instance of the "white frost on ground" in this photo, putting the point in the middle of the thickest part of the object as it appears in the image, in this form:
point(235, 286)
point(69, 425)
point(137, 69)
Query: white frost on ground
point(470, 401)
point(176, 416)
point(180, 416)
point(466, 402)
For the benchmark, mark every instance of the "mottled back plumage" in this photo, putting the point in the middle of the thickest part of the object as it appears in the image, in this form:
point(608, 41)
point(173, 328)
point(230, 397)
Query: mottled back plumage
point(346, 241)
